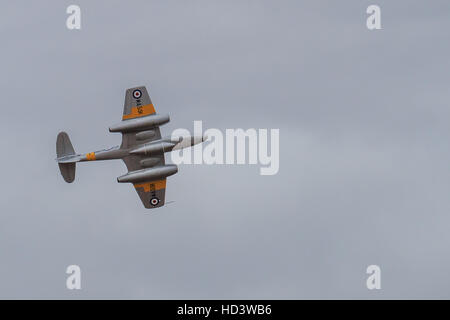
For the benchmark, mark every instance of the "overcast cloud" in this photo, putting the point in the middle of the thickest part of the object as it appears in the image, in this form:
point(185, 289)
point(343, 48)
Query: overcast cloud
point(363, 118)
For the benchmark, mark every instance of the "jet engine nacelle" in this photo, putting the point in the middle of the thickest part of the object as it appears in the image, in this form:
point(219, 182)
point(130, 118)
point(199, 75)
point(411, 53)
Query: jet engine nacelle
point(149, 174)
point(139, 124)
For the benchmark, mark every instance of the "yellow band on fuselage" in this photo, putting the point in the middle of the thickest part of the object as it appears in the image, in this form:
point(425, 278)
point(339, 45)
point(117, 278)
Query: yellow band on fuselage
point(158, 185)
point(90, 156)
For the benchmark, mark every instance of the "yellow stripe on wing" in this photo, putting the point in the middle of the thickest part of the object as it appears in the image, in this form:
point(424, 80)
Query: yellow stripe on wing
point(140, 111)
point(157, 185)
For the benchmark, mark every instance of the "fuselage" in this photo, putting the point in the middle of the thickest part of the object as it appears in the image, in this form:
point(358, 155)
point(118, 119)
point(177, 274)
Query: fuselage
point(146, 149)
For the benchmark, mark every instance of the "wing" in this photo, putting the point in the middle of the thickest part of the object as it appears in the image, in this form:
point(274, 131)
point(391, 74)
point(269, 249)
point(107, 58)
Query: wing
point(138, 104)
point(152, 193)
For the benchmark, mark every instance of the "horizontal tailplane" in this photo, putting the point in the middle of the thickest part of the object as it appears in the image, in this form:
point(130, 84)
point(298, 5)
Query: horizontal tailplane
point(66, 157)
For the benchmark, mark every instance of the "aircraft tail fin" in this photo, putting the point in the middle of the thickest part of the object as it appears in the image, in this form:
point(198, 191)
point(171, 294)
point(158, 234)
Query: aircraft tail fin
point(64, 151)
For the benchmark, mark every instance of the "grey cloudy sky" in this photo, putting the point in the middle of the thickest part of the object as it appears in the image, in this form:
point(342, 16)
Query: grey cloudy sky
point(363, 118)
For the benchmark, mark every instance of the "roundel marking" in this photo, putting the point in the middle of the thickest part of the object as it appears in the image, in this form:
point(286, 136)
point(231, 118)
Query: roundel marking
point(154, 201)
point(137, 94)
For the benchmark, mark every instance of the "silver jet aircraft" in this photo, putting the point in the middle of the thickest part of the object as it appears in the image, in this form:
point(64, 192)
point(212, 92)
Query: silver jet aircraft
point(142, 149)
